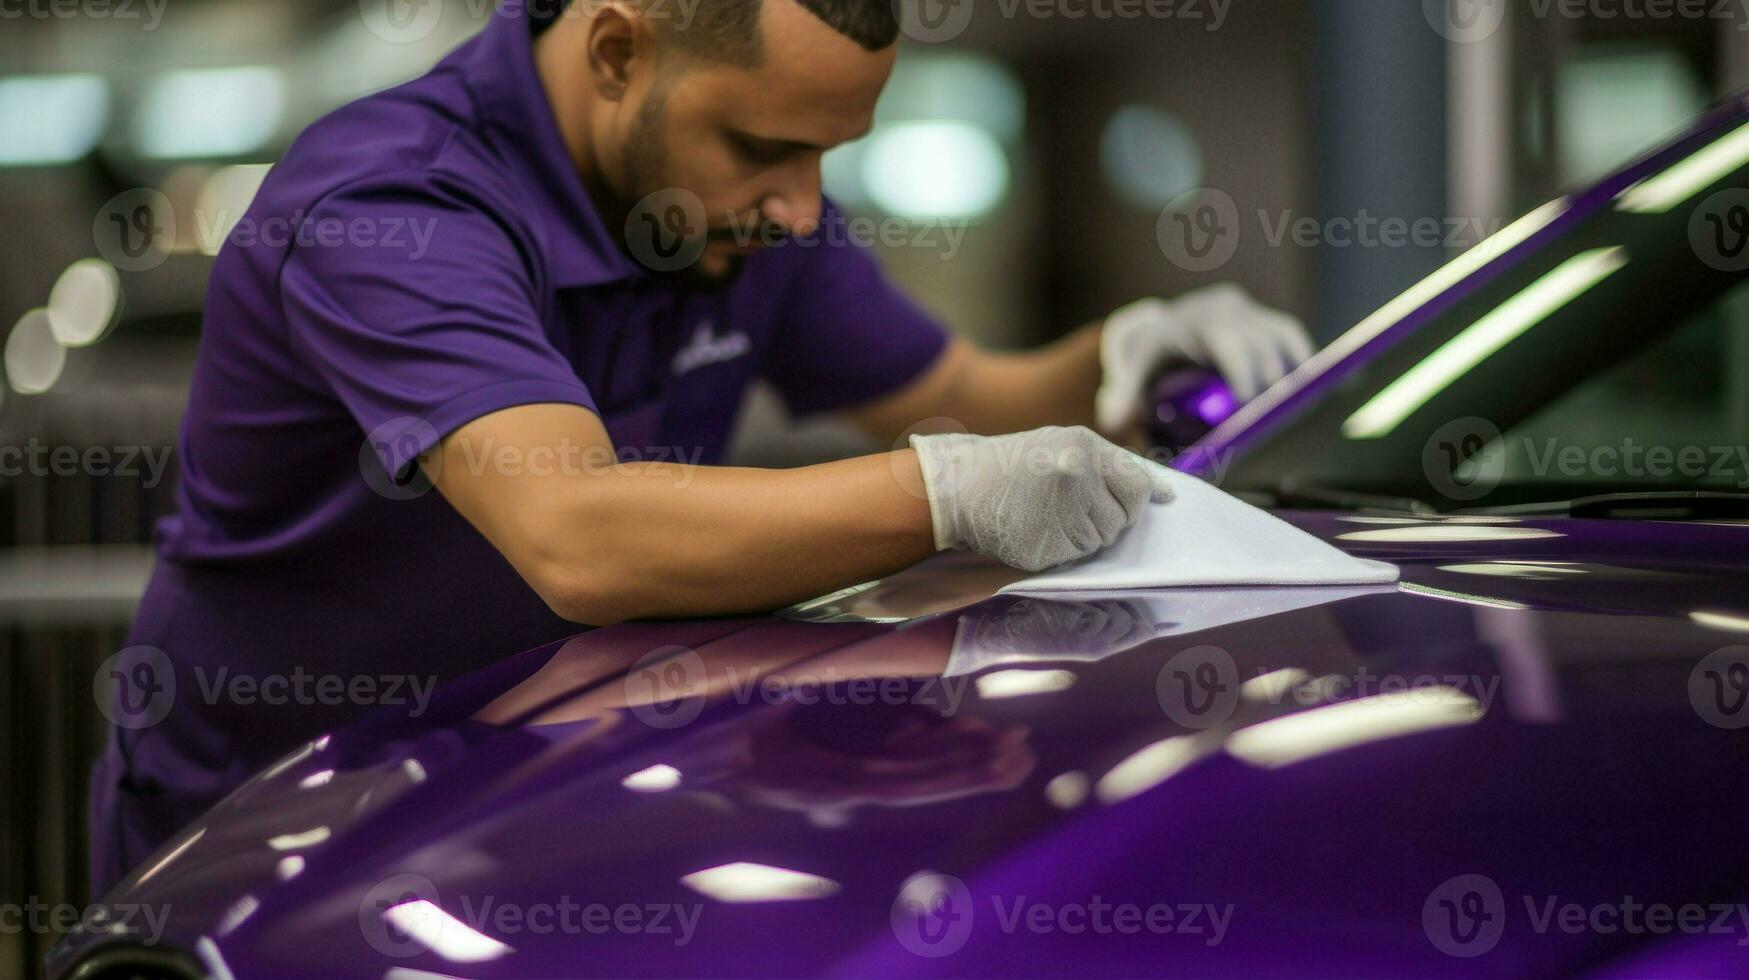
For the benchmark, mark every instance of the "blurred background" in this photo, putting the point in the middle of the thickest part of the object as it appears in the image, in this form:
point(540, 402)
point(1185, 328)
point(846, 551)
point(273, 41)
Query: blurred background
point(1028, 157)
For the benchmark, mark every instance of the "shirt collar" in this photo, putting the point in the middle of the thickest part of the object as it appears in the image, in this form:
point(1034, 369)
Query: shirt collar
point(519, 119)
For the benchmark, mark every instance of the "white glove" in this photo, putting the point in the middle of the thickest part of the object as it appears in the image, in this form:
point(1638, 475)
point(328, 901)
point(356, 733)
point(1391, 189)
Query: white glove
point(1035, 499)
point(1251, 345)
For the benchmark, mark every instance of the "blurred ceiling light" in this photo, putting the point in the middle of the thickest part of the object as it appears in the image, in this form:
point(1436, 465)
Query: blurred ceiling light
point(655, 779)
point(931, 87)
point(1149, 157)
point(1481, 340)
point(237, 914)
point(1614, 102)
point(444, 934)
point(293, 842)
point(1150, 766)
point(49, 119)
point(935, 170)
point(1449, 532)
point(955, 87)
point(1721, 621)
point(224, 197)
point(34, 356)
point(1662, 192)
point(321, 777)
point(744, 881)
point(1068, 790)
point(1019, 683)
point(289, 867)
point(84, 302)
point(1272, 687)
point(1514, 569)
point(210, 112)
point(841, 174)
point(1320, 731)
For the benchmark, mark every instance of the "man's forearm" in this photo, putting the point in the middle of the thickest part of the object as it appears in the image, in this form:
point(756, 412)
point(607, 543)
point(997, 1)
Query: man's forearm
point(661, 541)
point(991, 392)
point(1015, 391)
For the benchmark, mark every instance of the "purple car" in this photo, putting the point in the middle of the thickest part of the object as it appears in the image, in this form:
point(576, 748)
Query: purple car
point(1530, 757)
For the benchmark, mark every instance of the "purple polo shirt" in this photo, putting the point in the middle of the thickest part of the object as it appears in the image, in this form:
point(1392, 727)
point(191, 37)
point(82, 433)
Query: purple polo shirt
point(419, 259)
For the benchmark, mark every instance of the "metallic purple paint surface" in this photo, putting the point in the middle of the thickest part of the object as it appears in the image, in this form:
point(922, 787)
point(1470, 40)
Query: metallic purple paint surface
point(1590, 776)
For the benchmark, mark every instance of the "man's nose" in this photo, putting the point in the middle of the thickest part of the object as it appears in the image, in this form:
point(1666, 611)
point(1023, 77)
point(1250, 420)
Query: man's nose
point(796, 206)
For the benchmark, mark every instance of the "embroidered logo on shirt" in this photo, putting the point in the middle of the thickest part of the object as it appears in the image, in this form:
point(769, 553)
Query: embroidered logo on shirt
point(706, 348)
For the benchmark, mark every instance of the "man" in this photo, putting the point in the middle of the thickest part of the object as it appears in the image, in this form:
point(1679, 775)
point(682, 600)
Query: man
point(463, 307)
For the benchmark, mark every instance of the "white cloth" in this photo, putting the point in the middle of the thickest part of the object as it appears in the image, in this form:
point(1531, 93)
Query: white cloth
point(1204, 536)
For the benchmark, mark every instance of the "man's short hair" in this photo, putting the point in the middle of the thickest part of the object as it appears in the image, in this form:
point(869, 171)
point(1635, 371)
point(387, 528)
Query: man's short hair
point(728, 30)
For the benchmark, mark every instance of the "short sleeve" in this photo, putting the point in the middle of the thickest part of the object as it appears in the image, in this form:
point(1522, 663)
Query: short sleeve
point(419, 310)
point(847, 336)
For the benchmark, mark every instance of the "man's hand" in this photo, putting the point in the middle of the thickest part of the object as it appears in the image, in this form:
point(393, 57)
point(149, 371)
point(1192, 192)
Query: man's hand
point(1033, 499)
point(1251, 345)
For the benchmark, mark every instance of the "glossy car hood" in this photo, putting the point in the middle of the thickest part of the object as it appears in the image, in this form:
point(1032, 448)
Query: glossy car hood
point(1186, 783)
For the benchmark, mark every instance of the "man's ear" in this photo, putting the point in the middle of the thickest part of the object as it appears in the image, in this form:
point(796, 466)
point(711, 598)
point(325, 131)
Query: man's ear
point(618, 38)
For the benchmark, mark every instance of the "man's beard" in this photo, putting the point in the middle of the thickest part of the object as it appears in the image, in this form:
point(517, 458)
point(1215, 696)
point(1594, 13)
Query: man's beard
point(646, 163)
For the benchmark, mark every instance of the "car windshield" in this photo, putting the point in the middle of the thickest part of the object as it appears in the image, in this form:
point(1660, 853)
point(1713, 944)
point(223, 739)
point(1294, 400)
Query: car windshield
point(1613, 359)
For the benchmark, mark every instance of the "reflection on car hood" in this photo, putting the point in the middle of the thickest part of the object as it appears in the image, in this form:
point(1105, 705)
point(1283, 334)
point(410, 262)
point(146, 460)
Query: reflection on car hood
point(1275, 785)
